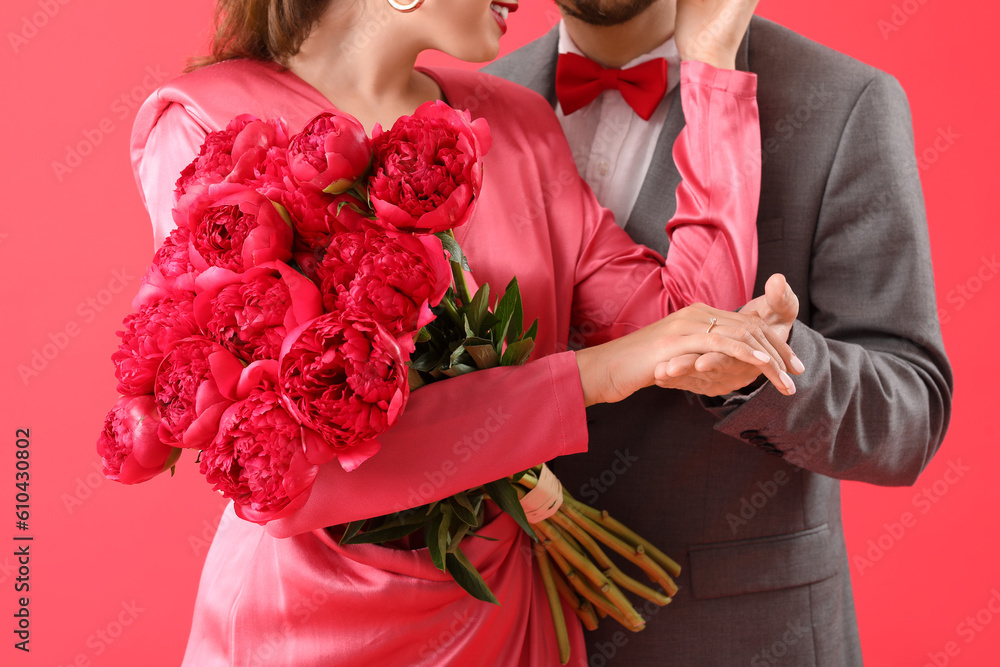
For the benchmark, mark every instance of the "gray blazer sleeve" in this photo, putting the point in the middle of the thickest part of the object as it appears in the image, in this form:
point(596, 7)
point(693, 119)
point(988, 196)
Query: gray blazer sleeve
point(875, 400)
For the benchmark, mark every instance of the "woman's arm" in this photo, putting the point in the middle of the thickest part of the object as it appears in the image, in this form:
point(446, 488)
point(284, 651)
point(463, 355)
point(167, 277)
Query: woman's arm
point(500, 421)
point(173, 142)
point(713, 252)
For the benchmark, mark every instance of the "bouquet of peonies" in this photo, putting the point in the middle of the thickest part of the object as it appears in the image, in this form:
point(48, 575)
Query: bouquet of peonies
point(310, 283)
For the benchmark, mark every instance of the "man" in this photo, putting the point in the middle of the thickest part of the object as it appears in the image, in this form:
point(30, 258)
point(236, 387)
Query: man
point(743, 489)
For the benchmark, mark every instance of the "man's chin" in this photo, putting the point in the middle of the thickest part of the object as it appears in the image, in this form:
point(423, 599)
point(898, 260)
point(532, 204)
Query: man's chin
point(604, 12)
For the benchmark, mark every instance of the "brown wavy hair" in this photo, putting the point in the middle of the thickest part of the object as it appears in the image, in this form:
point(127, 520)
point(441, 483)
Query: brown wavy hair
point(260, 29)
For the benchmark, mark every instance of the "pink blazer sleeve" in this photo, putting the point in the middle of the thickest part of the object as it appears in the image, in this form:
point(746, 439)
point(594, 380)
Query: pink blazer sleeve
point(713, 235)
point(173, 142)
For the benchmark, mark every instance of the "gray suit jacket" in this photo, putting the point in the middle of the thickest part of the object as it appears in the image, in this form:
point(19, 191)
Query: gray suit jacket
point(745, 492)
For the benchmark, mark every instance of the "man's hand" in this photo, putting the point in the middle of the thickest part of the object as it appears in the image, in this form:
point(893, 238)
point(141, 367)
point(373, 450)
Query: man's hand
point(710, 31)
point(715, 374)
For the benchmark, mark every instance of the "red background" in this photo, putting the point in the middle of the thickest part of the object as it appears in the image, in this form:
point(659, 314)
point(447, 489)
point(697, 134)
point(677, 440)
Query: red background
point(73, 75)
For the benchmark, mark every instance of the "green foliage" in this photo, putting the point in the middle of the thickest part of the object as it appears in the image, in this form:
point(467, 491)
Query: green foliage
point(462, 338)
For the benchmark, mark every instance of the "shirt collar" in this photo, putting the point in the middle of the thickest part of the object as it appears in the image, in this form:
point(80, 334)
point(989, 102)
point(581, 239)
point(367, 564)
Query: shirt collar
point(666, 50)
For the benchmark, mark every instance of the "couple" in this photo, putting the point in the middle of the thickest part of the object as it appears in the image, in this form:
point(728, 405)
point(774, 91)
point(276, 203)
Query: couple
point(688, 472)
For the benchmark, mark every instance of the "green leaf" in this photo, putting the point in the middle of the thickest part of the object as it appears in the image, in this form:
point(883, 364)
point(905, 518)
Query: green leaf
point(466, 576)
point(338, 186)
point(478, 309)
point(532, 332)
point(464, 509)
point(424, 335)
point(482, 537)
point(351, 530)
point(517, 315)
point(428, 361)
point(458, 369)
point(503, 493)
point(386, 534)
point(437, 536)
point(485, 356)
point(517, 353)
point(283, 212)
point(456, 539)
point(490, 322)
point(413, 379)
point(455, 250)
point(504, 313)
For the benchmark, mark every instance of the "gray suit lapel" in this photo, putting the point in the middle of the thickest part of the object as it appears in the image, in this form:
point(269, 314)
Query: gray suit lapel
point(657, 199)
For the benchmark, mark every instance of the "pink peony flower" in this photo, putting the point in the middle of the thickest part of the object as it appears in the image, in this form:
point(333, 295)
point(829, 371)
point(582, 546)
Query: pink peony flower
point(235, 228)
point(230, 155)
point(345, 379)
point(259, 457)
point(196, 381)
point(330, 153)
point(250, 313)
point(427, 170)
point(147, 334)
point(390, 278)
point(129, 445)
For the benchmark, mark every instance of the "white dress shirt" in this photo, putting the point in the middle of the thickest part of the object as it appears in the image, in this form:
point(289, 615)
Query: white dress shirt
point(613, 147)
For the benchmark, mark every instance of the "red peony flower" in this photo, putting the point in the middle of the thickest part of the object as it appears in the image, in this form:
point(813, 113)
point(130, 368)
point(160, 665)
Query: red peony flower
point(315, 225)
point(390, 278)
point(172, 258)
point(250, 313)
point(230, 155)
point(427, 170)
point(129, 445)
point(259, 457)
point(196, 381)
point(147, 334)
point(330, 153)
point(345, 379)
point(235, 228)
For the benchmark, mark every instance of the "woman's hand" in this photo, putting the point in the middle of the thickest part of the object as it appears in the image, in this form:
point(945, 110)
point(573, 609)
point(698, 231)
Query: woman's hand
point(715, 374)
point(615, 370)
point(710, 31)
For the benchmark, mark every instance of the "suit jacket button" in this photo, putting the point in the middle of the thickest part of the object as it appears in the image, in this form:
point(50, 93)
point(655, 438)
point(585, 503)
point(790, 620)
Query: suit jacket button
point(746, 435)
point(758, 440)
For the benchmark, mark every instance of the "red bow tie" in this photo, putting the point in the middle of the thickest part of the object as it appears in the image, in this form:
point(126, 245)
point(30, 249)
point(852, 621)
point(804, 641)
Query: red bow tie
point(580, 80)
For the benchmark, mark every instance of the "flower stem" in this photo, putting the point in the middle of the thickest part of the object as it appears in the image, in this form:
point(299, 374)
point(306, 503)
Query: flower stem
point(604, 519)
point(448, 302)
point(555, 604)
point(605, 563)
point(619, 605)
point(461, 286)
point(634, 553)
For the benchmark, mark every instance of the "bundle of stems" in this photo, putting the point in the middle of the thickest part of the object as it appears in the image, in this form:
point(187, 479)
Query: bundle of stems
point(575, 568)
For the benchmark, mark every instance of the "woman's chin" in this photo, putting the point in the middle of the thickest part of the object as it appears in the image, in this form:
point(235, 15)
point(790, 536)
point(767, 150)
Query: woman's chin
point(480, 53)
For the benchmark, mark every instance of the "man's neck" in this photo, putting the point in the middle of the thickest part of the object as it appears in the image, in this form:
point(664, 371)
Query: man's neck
point(615, 46)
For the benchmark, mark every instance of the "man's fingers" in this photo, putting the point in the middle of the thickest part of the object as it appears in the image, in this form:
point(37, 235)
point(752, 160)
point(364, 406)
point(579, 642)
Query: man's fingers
point(678, 366)
point(781, 299)
point(715, 362)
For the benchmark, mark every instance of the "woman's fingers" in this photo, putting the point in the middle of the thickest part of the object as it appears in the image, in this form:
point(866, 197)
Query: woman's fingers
point(747, 349)
point(747, 326)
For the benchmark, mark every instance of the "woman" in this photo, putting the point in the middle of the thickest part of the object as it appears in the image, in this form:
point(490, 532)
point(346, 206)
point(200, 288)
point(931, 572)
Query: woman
point(285, 595)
